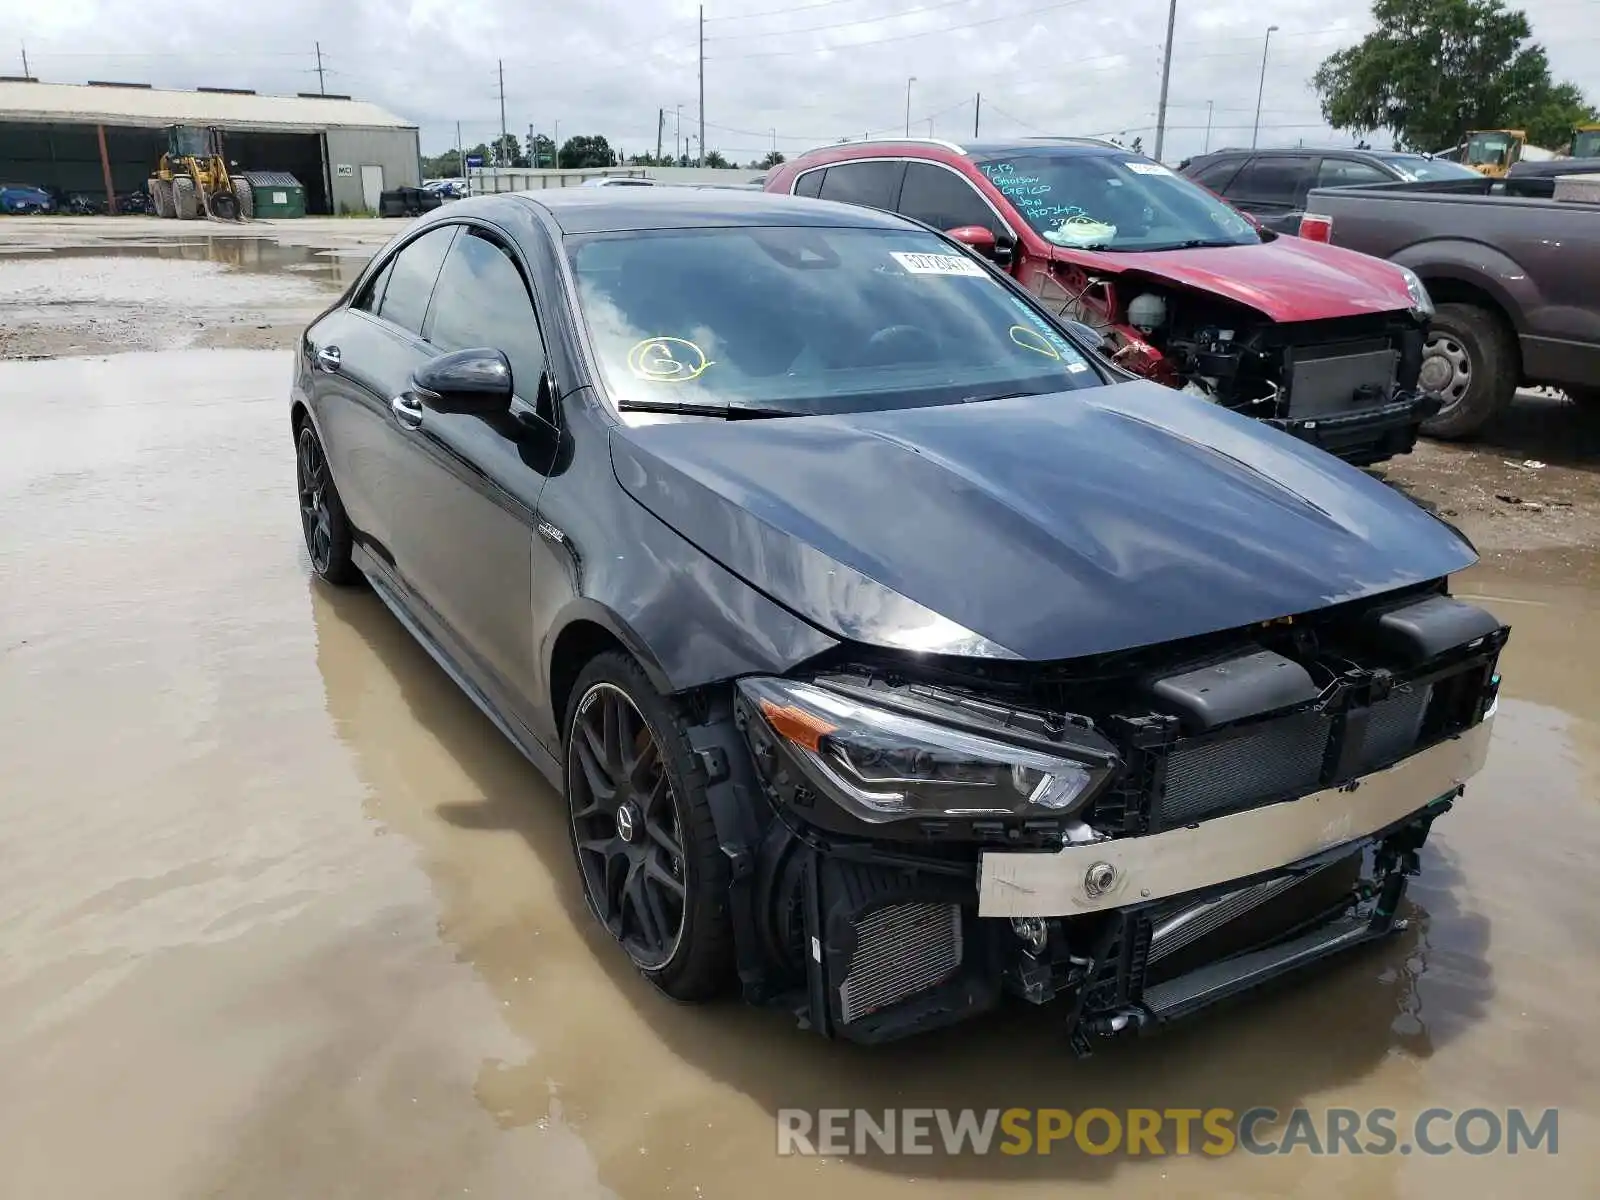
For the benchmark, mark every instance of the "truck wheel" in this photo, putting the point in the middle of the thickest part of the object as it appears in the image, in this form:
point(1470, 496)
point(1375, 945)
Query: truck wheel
point(246, 197)
point(185, 202)
point(1470, 360)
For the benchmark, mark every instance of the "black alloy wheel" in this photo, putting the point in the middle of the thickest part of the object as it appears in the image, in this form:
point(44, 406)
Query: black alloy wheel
point(322, 517)
point(626, 827)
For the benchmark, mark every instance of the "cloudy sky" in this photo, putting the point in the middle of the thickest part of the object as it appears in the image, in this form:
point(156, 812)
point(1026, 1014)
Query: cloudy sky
point(794, 73)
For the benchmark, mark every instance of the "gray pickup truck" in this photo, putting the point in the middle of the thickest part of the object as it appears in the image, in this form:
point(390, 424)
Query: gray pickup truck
point(1515, 281)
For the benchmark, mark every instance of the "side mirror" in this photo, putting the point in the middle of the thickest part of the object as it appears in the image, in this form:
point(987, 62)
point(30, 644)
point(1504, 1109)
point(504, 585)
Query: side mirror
point(476, 382)
point(975, 237)
point(1090, 336)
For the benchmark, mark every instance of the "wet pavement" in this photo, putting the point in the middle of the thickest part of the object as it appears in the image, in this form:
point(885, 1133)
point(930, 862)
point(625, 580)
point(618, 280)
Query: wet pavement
point(282, 915)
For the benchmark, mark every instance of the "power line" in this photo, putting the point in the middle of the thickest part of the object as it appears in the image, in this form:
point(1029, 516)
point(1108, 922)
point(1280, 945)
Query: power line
point(775, 12)
point(906, 37)
point(907, 12)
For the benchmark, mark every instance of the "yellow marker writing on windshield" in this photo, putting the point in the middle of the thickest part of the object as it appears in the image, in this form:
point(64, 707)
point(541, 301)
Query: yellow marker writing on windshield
point(667, 360)
point(1032, 339)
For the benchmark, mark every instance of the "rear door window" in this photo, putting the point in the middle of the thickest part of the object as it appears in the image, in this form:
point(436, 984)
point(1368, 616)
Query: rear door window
point(874, 184)
point(944, 199)
point(1277, 179)
point(412, 276)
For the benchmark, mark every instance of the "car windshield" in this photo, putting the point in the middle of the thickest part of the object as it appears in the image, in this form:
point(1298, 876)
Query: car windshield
point(780, 321)
point(1586, 143)
point(1112, 202)
point(1415, 168)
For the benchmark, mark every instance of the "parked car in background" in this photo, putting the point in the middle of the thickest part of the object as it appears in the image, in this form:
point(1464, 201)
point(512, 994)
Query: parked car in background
point(446, 189)
point(1319, 342)
point(20, 199)
point(1514, 279)
point(618, 181)
point(1271, 185)
point(894, 654)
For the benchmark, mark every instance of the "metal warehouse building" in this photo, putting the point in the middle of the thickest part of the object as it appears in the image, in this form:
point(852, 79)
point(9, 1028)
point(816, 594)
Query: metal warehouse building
point(101, 137)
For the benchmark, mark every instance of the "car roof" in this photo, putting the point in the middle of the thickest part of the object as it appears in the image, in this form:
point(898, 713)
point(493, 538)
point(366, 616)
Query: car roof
point(611, 210)
point(940, 149)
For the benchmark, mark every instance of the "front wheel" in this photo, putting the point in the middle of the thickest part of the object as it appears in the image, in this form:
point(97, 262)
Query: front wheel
point(648, 857)
point(1470, 359)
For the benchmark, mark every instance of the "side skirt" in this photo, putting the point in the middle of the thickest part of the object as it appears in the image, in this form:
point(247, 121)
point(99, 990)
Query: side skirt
point(434, 642)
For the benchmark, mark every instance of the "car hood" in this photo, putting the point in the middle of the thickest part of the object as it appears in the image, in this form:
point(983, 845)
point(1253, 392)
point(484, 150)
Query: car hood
point(1041, 527)
point(1288, 278)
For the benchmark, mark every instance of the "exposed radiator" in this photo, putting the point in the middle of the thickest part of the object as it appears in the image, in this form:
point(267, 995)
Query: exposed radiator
point(1281, 758)
point(900, 950)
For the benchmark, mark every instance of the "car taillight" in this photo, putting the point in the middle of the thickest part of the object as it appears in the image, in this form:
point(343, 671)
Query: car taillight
point(1316, 228)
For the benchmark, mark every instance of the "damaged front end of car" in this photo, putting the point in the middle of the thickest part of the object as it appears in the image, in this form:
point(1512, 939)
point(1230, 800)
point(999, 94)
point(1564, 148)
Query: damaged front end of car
point(1346, 384)
point(1132, 837)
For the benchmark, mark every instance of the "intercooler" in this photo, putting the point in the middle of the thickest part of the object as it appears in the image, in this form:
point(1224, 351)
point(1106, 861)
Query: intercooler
point(1281, 757)
point(900, 950)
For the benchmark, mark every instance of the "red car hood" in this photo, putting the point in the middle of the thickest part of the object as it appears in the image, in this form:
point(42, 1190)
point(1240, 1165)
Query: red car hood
point(1288, 279)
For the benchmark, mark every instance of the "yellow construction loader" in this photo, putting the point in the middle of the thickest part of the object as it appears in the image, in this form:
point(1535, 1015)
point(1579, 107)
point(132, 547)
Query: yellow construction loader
point(192, 179)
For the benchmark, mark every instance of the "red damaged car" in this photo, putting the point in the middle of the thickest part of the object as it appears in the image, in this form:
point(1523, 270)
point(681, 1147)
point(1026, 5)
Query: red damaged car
point(1322, 342)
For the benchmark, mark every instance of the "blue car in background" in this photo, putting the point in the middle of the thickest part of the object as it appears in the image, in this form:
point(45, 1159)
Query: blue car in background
point(24, 198)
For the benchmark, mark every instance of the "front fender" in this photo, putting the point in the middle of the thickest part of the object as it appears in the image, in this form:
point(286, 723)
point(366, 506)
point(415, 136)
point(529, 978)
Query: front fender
point(1477, 265)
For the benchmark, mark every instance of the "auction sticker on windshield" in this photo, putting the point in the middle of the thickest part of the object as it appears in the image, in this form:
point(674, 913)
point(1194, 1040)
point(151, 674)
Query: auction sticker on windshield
point(936, 264)
point(1144, 168)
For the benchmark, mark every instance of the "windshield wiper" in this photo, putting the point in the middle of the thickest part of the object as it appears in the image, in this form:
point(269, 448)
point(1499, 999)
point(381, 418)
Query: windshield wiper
point(687, 408)
point(1203, 243)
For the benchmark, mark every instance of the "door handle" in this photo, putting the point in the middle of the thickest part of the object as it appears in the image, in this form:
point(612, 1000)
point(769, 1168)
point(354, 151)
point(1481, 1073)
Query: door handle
point(407, 409)
point(328, 358)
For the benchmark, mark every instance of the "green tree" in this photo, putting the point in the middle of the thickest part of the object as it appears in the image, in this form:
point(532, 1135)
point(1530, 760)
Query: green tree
point(774, 158)
point(587, 150)
point(1434, 69)
point(542, 151)
point(715, 158)
point(442, 166)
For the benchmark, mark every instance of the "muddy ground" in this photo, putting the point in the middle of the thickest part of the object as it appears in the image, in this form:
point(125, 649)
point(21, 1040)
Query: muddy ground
point(282, 915)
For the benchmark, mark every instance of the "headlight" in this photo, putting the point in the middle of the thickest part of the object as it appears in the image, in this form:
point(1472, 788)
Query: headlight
point(883, 765)
point(1420, 300)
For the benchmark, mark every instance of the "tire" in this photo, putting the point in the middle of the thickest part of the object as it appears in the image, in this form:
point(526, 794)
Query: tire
point(161, 198)
point(322, 515)
point(152, 186)
point(185, 201)
point(617, 855)
point(1470, 358)
point(245, 195)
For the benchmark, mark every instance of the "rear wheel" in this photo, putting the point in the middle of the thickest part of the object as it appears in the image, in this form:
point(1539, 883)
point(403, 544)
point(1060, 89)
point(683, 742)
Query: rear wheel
point(246, 197)
point(1471, 361)
point(652, 870)
point(185, 202)
point(161, 198)
point(322, 516)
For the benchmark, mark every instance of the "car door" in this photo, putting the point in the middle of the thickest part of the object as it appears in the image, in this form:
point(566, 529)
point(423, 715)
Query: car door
point(467, 487)
point(361, 356)
point(1272, 188)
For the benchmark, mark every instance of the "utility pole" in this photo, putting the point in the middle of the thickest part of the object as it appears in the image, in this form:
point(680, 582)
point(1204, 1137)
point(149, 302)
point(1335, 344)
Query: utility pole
point(533, 160)
point(461, 160)
point(1209, 104)
point(909, 82)
point(661, 121)
point(1262, 87)
point(702, 85)
point(555, 146)
point(321, 83)
point(677, 138)
point(26, 74)
point(500, 150)
point(1166, 74)
point(977, 110)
